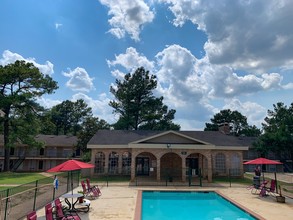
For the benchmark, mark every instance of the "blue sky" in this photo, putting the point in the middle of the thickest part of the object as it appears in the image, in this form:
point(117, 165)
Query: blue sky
point(208, 55)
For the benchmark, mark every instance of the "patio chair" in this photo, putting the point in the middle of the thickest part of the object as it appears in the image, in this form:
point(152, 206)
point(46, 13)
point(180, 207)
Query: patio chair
point(49, 211)
point(256, 188)
point(31, 216)
point(61, 215)
point(89, 193)
point(93, 188)
point(58, 201)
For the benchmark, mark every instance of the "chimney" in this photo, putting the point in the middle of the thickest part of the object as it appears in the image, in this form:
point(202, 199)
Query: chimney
point(224, 128)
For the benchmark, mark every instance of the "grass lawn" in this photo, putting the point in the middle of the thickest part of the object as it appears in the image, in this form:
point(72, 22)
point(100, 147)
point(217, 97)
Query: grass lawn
point(11, 178)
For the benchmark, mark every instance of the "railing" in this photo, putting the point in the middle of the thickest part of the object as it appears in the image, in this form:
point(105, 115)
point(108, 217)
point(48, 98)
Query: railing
point(17, 201)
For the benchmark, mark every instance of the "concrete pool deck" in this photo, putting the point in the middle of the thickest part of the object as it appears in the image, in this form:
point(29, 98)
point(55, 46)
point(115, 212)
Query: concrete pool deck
point(118, 202)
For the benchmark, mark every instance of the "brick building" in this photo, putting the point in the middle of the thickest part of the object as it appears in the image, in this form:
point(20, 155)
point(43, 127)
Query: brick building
point(158, 154)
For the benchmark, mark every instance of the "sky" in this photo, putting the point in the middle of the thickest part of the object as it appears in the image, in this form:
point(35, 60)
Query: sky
point(208, 55)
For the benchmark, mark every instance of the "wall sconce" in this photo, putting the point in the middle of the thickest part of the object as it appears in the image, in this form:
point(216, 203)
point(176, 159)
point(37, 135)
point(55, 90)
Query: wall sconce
point(168, 145)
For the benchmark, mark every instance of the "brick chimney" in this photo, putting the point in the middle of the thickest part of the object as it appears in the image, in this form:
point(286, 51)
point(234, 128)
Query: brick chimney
point(224, 128)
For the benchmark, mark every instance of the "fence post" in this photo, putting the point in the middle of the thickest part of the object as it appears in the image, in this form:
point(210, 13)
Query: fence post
point(35, 197)
point(230, 177)
point(200, 177)
point(6, 205)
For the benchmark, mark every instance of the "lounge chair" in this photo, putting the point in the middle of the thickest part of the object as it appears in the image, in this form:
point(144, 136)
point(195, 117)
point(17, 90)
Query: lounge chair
point(93, 188)
point(31, 216)
point(265, 191)
point(89, 193)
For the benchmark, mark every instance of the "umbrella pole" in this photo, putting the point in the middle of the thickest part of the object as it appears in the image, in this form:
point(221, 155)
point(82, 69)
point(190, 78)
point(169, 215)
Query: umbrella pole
point(71, 186)
point(276, 182)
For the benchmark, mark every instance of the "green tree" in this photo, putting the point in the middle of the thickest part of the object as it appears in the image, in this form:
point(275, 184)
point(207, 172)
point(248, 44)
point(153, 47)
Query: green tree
point(20, 84)
point(278, 132)
point(136, 105)
point(236, 121)
point(89, 127)
point(68, 116)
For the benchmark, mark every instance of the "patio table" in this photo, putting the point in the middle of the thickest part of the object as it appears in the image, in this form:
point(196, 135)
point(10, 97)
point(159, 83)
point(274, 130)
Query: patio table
point(84, 207)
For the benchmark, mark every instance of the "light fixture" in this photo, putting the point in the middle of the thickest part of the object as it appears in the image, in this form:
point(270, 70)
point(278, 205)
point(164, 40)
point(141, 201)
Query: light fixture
point(168, 145)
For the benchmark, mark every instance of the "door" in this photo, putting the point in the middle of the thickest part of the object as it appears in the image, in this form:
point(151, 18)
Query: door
point(142, 166)
point(192, 165)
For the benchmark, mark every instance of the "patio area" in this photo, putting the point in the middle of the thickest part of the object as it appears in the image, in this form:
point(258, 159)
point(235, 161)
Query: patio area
point(118, 202)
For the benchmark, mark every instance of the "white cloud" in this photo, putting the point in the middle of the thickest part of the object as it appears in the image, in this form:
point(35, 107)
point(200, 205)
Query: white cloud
point(100, 106)
point(288, 86)
point(58, 26)
point(254, 35)
point(48, 103)
point(10, 57)
point(128, 17)
point(79, 80)
point(254, 112)
point(191, 85)
point(130, 60)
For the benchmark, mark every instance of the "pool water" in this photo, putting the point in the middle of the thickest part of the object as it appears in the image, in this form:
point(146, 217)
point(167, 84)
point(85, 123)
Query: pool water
point(163, 205)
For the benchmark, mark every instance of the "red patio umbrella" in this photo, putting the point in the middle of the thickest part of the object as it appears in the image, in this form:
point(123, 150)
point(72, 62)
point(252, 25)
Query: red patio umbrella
point(261, 161)
point(70, 165)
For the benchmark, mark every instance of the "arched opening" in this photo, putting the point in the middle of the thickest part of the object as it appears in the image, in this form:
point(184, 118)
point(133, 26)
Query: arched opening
point(171, 167)
point(126, 163)
point(220, 164)
point(146, 164)
point(113, 163)
point(99, 163)
point(235, 165)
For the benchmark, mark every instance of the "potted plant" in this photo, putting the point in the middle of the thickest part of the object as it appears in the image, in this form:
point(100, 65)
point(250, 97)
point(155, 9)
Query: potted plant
point(280, 198)
point(80, 199)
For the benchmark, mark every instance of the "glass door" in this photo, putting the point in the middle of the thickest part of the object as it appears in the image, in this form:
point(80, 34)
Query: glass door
point(142, 166)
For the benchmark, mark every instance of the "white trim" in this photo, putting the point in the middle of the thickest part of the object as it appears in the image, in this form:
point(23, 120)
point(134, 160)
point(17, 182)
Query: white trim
point(166, 133)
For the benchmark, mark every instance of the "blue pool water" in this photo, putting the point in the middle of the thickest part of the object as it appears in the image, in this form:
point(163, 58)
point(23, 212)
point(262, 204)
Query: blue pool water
point(163, 205)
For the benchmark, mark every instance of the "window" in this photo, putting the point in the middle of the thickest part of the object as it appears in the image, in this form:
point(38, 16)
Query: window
point(42, 151)
point(220, 163)
point(99, 162)
point(235, 165)
point(11, 151)
point(67, 152)
point(113, 163)
point(41, 163)
point(126, 163)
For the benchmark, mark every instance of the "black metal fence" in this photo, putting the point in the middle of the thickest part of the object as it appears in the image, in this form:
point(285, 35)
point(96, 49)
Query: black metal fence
point(17, 201)
point(186, 177)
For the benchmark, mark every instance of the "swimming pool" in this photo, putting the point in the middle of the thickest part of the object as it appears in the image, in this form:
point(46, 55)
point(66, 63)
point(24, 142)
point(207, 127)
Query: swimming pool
point(185, 205)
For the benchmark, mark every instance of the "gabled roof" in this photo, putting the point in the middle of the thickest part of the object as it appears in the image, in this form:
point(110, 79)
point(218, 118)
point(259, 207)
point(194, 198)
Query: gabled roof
point(170, 135)
point(125, 137)
point(52, 140)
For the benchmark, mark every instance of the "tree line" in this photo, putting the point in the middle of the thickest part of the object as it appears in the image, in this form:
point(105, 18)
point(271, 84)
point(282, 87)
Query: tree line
point(134, 103)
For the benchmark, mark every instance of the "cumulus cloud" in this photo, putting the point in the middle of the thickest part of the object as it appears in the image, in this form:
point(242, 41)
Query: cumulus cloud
point(79, 80)
point(100, 106)
point(48, 103)
point(190, 85)
point(253, 111)
point(128, 17)
point(130, 60)
point(10, 57)
point(254, 35)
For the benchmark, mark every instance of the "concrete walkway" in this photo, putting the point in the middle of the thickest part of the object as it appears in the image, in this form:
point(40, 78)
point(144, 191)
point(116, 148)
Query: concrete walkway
point(118, 202)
